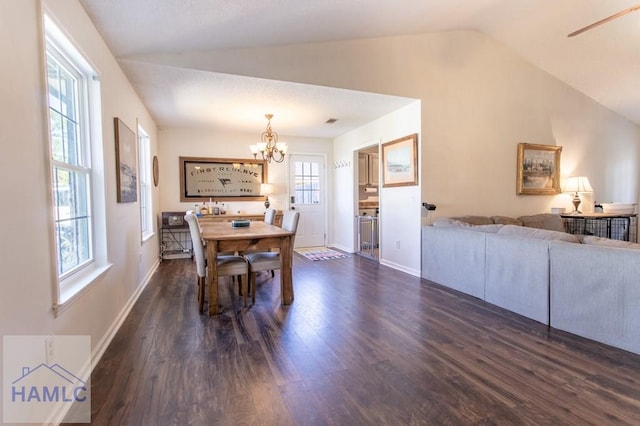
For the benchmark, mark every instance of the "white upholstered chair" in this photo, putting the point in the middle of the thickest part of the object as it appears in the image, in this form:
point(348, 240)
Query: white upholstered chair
point(228, 265)
point(270, 216)
point(268, 261)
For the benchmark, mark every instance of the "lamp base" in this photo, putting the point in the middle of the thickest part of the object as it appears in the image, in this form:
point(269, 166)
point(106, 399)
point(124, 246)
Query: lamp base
point(576, 204)
point(266, 202)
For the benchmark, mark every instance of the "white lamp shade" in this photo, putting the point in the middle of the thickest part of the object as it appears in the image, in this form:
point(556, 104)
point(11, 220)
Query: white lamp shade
point(577, 184)
point(266, 189)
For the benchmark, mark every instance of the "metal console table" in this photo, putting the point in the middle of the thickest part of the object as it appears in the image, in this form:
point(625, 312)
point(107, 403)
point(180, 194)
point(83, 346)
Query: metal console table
point(175, 239)
point(615, 226)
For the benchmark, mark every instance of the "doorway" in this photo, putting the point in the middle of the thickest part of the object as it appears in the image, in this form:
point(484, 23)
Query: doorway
point(368, 204)
point(307, 183)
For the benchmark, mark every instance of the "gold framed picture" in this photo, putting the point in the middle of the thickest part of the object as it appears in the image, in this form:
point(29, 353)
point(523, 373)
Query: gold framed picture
point(538, 169)
point(400, 162)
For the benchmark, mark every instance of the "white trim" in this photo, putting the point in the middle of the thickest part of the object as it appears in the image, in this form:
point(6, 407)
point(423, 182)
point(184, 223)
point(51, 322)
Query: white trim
point(74, 288)
point(402, 268)
point(60, 413)
point(102, 345)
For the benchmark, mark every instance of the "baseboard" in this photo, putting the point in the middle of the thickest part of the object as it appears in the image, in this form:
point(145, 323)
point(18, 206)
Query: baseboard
point(339, 247)
point(60, 412)
point(410, 271)
point(101, 347)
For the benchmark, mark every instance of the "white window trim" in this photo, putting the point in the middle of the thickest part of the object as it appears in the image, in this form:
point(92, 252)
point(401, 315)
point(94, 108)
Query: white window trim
point(145, 179)
point(69, 289)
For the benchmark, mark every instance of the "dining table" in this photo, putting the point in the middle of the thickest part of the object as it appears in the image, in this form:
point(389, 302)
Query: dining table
point(222, 237)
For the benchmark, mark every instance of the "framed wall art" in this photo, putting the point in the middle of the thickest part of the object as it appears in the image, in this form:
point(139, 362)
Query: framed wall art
point(538, 169)
point(400, 162)
point(155, 170)
point(126, 155)
point(221, 179)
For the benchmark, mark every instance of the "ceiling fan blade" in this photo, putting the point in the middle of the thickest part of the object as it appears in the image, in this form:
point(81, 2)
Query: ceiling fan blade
point(605, 20)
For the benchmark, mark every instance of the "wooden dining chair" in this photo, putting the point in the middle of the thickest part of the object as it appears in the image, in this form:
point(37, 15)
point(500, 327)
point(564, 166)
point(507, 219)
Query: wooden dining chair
point(268, 260)
point(228, 265)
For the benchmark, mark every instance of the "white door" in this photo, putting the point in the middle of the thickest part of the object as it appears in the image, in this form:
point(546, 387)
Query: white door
point(307, 183)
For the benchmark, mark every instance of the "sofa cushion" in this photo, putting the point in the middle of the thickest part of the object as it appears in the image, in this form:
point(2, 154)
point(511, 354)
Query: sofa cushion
point(540, 234)
point(606, 242)
point(493, 228)
point(475, 220)
point(448, 222)
point(505, 220)
point(548, 221)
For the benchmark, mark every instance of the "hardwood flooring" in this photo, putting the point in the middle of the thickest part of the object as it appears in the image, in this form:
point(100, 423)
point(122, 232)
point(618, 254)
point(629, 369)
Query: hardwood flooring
point(361, 344)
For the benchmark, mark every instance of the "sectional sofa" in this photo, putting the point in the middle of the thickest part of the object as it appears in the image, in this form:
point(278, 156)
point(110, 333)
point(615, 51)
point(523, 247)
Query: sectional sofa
point(585, 285)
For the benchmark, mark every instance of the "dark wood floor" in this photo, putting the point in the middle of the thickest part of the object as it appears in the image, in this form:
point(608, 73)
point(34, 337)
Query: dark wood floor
point(361, 344)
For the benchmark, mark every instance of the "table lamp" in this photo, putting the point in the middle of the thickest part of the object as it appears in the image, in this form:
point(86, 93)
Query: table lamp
point(266, 189)
point(576, 185)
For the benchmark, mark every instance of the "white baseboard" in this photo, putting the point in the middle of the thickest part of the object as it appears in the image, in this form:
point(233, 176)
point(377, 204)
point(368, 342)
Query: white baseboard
point(60, 412)
point(101, 347)
point(339, 247)
point(410, 271)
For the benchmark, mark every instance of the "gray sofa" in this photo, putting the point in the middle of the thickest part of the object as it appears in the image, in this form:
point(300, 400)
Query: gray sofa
point(588, 286)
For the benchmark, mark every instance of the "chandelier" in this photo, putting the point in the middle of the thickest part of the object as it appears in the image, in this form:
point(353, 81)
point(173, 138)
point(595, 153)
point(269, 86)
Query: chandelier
point(269, 147)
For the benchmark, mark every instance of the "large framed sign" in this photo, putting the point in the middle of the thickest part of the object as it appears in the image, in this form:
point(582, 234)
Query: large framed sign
point(221, 179)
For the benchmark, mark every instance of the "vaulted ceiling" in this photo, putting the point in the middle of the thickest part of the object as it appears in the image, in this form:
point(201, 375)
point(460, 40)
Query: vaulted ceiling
point(603, 63)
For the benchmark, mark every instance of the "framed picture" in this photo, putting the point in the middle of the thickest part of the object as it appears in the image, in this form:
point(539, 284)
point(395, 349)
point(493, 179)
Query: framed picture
point(221, 179)
point(156, 171)
point(126, 173)
point(400, 162)
point(538, 169)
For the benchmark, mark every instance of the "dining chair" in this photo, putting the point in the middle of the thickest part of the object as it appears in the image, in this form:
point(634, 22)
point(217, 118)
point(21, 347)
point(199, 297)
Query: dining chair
point(270, 216)
point(268, 260)
point(228, 265)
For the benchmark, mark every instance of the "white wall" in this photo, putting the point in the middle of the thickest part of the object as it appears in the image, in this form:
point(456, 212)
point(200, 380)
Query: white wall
point(28, 256)
point(177, 142)
point(479, 100)
point(400, 207)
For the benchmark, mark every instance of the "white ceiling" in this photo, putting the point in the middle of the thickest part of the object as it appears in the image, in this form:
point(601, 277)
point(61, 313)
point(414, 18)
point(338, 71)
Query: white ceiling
point(603, 63)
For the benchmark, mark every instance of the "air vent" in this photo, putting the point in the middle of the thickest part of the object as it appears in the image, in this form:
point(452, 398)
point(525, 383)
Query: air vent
point(331, 121)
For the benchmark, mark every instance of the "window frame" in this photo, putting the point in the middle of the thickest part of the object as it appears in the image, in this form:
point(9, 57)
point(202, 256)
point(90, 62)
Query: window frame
point(72, 283)
point(145, 182)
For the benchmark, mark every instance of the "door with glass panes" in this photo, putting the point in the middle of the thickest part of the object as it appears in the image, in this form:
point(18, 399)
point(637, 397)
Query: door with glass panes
point(307, 182)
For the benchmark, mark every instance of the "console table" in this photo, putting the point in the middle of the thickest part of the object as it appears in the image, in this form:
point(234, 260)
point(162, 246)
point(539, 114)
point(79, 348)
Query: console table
point(209, 218)
point(615, 226)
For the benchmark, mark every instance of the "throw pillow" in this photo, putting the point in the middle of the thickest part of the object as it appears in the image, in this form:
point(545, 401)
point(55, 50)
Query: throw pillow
point(447, 222)
point(505, 220)
point(475, 220)
point(487, 228)
point(548, 221)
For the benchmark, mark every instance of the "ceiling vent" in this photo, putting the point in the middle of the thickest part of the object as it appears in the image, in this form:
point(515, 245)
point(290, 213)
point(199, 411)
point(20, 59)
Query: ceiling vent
point(331, 121)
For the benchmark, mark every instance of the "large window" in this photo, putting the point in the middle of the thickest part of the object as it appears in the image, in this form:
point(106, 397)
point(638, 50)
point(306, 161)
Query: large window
point(72, 91)
point(146, 209)
point(70, 163)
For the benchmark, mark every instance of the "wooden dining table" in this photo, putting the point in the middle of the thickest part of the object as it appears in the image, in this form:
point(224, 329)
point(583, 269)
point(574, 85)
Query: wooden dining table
point(221, 237)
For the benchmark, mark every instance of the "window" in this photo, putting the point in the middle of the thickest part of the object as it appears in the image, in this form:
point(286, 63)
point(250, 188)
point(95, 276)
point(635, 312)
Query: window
point(78, 188)
point(146, 206)
point(307, 182)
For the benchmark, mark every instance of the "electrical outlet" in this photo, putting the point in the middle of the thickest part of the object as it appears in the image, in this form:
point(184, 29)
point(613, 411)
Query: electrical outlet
point(50, 350)
point(397, 244)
